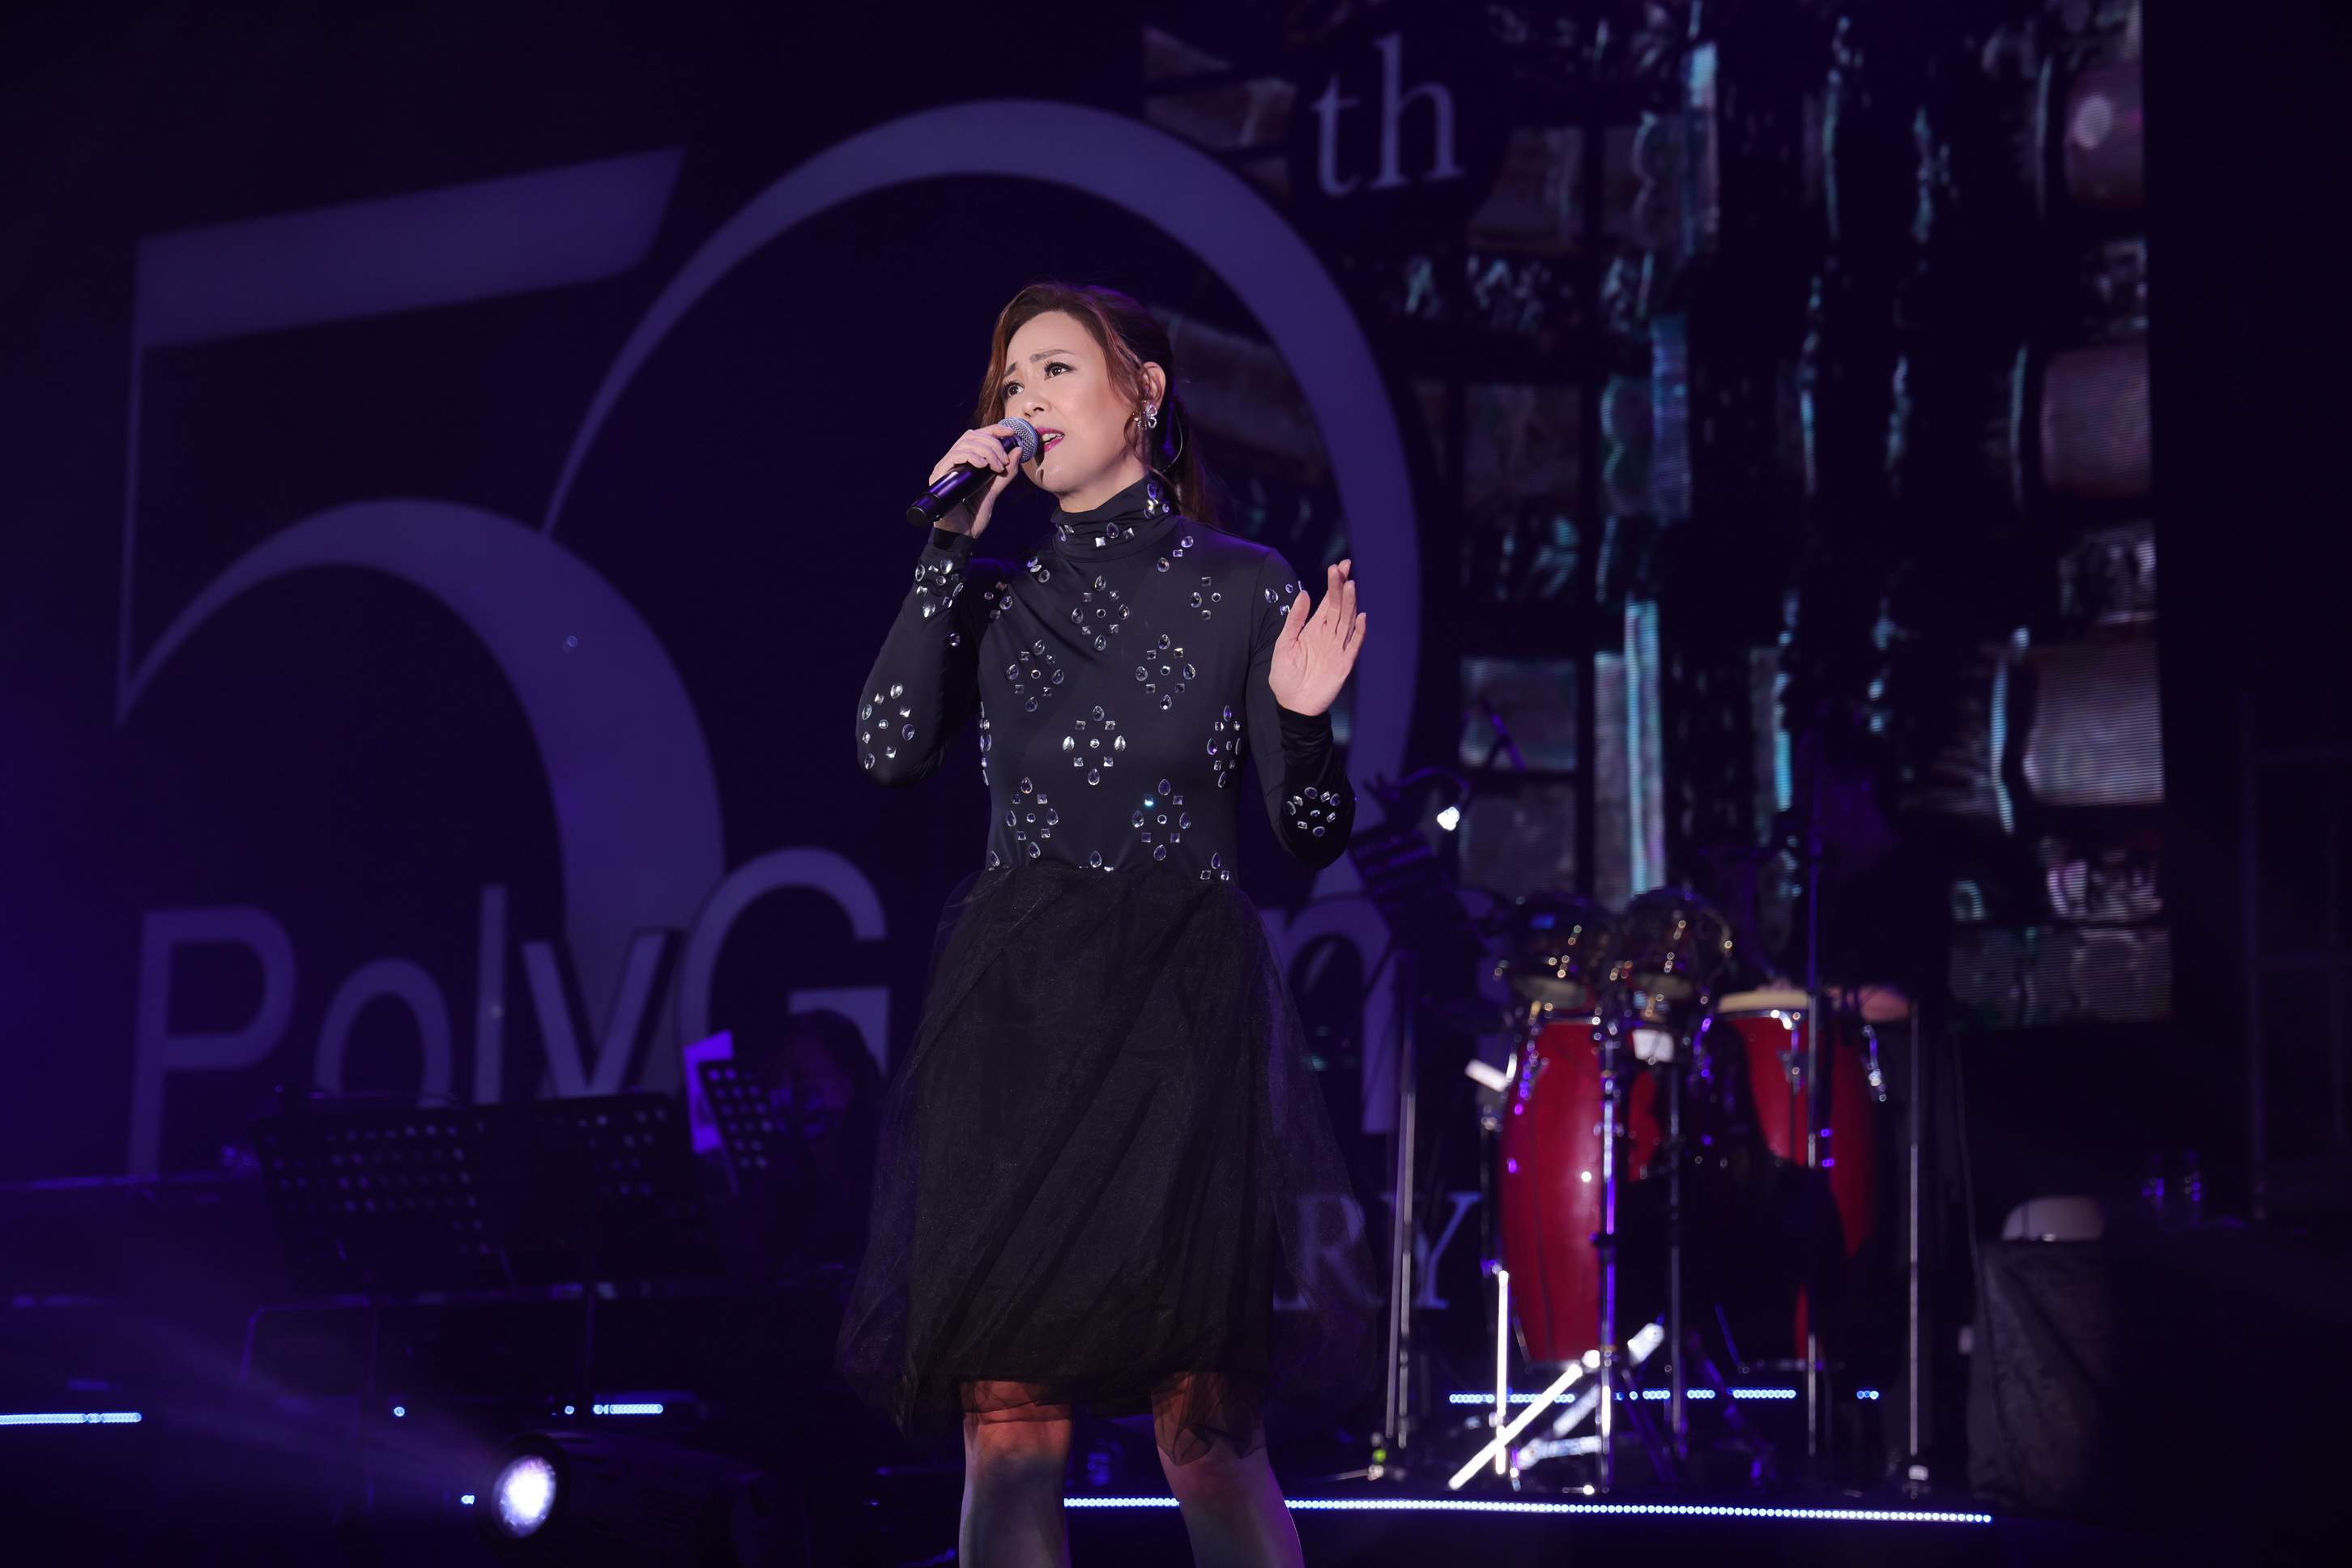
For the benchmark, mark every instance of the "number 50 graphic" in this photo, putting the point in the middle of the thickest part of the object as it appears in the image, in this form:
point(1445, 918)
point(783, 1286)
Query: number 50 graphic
point(637, 804)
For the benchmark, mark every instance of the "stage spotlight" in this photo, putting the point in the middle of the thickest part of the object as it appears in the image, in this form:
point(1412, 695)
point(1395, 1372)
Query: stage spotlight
point(523, 1494)
point(583, 1500)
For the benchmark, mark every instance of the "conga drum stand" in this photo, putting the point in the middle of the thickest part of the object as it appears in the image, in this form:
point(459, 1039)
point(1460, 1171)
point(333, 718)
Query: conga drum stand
point(1678, 1414)
point(1604, 1245)
point(1616, 1369)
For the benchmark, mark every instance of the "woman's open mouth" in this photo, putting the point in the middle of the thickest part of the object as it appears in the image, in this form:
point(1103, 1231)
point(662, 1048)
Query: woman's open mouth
point(1047, 440)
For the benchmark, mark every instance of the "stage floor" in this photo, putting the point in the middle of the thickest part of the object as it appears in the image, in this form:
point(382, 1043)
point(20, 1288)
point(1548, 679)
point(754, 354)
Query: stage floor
point(170, 1506)
point(915, 1524)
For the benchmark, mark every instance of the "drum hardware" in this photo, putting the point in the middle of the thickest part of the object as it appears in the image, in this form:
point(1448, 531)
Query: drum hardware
point(1676, 946)
point(1604, 1242)
point(1678, 1391)
point(1500, 1444)
point(1759, 1452)
point(1561, 1446)
point(1807, 1087)
point(1617, 1364)
point(1814, 1016)
point(1574, 1373)
point(1654, 1028)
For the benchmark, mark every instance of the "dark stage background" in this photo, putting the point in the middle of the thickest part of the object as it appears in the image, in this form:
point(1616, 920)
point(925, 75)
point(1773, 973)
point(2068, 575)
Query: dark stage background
point(450, 456)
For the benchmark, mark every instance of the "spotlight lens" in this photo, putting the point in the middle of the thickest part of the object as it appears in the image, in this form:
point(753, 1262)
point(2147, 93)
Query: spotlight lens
point(525, 1492)
point(1450, 818)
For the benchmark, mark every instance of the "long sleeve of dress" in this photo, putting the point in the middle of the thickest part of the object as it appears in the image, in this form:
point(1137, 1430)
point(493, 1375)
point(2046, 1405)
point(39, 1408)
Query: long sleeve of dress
point(1307, 796)
point(925, 682)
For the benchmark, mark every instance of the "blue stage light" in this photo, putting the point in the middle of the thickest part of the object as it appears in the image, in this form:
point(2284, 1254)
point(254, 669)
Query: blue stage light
point(72, 1418)
point(1519, 1397)
point(561, 1499)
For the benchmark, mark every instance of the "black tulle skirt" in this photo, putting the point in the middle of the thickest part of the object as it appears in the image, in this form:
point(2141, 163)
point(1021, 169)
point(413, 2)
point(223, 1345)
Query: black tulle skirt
point(1106, 1176)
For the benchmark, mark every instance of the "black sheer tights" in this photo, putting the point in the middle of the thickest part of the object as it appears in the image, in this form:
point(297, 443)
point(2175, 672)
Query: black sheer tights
point(1018, 1449)
point(1192, 1412)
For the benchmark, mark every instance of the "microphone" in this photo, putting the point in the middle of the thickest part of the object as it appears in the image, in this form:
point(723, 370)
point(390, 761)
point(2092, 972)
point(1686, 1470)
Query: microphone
point(962, 479)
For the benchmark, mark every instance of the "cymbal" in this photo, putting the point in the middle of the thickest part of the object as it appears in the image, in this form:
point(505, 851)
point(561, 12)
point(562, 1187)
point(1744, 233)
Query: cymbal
point(1550, 990)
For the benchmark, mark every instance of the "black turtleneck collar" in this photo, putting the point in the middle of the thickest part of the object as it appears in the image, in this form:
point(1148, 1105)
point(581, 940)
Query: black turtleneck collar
point(1136, 519)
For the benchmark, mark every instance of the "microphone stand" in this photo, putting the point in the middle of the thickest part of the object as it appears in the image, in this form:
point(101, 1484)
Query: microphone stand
point(1396, 1410)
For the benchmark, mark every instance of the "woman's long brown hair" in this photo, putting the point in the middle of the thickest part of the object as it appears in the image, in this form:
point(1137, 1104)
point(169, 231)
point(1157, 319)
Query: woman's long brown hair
point(1129, 338)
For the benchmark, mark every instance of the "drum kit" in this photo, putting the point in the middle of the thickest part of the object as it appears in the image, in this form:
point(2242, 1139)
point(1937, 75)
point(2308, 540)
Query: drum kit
point(1668, 1152)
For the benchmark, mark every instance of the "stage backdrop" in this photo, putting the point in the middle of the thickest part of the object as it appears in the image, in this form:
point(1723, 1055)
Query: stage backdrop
point(456, 465)
point(452, 460)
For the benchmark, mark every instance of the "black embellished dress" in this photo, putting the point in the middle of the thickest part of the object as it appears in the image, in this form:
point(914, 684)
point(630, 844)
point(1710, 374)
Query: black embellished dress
point(1107, 1163)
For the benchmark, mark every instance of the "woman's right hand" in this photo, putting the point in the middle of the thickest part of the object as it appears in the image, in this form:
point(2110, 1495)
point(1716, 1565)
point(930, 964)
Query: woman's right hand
point(984, 449)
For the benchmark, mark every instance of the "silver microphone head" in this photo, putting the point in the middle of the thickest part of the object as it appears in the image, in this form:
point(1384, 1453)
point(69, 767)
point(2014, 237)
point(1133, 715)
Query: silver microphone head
point(1026, 434)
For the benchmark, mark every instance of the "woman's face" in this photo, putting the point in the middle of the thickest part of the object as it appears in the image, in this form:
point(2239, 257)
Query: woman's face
point(1056, 378)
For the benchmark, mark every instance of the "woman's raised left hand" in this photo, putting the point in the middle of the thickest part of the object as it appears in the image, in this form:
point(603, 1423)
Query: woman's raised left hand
point(1315, 653)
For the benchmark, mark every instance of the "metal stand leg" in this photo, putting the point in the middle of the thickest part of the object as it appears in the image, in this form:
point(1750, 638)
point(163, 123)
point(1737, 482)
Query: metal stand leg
point(1809, 1097)
point(1396, 1413)
point(1502, 1362)
point(1760, 1467)
point(1605, 1244)
point(1677, 1417)
point(1914, 1461)
point(1814, 1017)
point(371, 1395)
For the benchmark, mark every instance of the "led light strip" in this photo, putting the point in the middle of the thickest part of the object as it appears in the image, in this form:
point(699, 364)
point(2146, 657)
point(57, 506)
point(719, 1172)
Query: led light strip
point(637, 1409)
point(73, 1418)
point(1488, 1400)
point(1650, 1509)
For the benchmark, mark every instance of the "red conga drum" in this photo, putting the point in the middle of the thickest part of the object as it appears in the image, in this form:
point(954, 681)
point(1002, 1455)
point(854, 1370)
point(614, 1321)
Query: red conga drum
point(1551, 1183)
point(1771, 1028)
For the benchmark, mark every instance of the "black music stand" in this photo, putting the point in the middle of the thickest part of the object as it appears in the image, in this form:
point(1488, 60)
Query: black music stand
point(1407, 886)
point(374, 1199)
point(550, 1192)
point(598, 1188)
point(748, 1134)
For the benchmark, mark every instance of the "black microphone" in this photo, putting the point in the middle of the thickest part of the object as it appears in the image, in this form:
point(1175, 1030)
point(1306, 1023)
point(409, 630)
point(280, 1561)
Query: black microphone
point(963, 478)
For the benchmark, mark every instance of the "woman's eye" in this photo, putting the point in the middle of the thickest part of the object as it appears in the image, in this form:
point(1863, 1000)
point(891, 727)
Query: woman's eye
point(1056, 368)
point(1011, 390)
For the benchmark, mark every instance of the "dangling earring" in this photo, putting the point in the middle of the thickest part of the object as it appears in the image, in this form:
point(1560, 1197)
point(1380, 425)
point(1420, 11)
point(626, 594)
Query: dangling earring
point(1151, 418)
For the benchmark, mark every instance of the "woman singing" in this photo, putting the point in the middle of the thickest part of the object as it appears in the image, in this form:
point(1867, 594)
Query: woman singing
point(1107, 1156)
